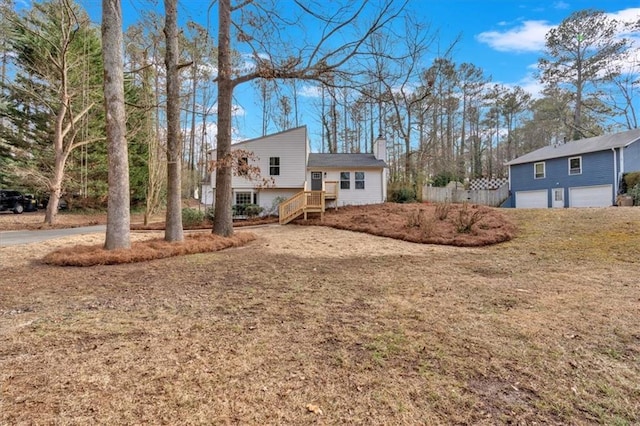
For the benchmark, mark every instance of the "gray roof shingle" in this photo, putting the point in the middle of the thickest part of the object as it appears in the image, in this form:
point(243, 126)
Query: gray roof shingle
point(344, 160)
point(582, 146)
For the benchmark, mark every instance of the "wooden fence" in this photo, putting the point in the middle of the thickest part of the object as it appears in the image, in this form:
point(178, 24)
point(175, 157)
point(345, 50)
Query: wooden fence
point(456, 193)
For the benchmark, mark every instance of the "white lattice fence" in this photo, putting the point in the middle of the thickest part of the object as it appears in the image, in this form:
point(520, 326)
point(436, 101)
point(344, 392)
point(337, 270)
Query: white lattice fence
point(487, 183)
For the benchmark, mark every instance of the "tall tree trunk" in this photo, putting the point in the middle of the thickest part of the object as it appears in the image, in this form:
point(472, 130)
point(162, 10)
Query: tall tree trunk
point(55, 183)
point(173, 229)
point(222, 221)
point(118, 213)
point(192, 139)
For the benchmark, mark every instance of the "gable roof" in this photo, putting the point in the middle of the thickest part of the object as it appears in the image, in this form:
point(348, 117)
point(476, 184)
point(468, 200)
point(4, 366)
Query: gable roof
point(302, 129)
point(344, 160)
point(582, 146)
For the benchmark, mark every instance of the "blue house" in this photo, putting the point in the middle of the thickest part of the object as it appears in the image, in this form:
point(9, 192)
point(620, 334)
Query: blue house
point(582, 173)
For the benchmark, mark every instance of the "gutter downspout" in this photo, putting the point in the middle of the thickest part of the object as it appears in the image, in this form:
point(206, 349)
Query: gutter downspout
point(615, 174)
point(512, 197)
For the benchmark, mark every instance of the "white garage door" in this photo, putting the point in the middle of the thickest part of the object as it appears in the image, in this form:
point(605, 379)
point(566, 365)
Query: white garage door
point(591, 196)
point(532, 199)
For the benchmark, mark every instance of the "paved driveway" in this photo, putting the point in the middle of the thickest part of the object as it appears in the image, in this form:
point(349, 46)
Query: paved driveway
point(10, 238)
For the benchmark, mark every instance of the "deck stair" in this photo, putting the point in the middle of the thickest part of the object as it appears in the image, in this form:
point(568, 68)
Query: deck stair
point(308, 201)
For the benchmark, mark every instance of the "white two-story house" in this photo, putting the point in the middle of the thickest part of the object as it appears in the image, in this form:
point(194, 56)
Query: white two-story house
point(287, 167)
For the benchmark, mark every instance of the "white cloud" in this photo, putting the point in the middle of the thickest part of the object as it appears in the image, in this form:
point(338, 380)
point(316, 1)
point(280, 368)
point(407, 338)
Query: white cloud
point(528, 37)
point(626, 15)
point(310, 91)
point(560, 5)
point(532, 85)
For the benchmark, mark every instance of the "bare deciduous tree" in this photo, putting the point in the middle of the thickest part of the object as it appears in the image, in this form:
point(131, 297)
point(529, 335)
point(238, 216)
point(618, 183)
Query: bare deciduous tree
point(257, 27)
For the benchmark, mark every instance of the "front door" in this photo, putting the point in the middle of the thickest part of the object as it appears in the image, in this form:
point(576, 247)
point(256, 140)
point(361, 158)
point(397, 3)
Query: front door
point(316, 181)
point(558, 198)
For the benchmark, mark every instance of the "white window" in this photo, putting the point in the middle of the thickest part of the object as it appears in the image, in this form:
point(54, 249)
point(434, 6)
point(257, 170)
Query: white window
point(538, 170)
point(575, 165)
point(345, 180)
point(359, 180)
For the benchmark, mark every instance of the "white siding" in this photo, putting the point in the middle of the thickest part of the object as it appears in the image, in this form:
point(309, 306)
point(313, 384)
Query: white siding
point(267, 197)
point(374, 191)
point(290, 146)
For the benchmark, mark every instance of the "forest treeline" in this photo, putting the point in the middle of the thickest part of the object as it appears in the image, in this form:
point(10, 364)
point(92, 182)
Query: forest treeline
point(443, 119)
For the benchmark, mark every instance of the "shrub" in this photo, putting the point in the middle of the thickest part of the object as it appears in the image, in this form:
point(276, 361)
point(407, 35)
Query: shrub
point(249, 210)
point(635, 194)
point(466, 219)
point(442, 210)
point(238, 209)
point(418, 219)
point(252, 210)
point(631, 180)
point(442, 179)
point(415, 218)
point(192, 217)
point(209, 213)
point(403, 194)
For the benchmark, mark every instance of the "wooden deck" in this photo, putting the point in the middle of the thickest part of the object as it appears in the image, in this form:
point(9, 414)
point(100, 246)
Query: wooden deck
point(307, 201)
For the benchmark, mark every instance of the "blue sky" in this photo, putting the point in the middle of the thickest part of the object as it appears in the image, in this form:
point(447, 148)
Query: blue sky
point(503, 37)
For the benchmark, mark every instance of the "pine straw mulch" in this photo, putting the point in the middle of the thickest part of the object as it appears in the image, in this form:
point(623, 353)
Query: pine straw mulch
point(460, 225)
point(142, 251)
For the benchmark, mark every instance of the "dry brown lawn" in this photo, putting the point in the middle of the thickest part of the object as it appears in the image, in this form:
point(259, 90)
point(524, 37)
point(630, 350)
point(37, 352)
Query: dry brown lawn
point(315, 325)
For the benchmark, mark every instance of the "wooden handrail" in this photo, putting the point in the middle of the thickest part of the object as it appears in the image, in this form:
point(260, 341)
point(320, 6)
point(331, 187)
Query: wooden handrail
point(300, 203)
point(291, 208)
point(330, 187)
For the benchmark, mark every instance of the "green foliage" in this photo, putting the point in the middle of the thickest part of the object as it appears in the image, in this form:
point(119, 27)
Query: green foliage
point(41, 39)
point(252, 210)
point(578, 54)
point(631, 179)
point(403, 194)
point(192, 217)
point(209, 213)
point(249, 210)
point(442, 179)
point(635, 194)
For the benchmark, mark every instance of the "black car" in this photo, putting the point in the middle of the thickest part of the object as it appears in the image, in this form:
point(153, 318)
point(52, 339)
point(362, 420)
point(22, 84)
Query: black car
point(17, 202)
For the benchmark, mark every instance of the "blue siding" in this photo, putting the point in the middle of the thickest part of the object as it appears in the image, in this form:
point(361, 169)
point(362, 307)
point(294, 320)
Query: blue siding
point(597, 169)
point(632, 157)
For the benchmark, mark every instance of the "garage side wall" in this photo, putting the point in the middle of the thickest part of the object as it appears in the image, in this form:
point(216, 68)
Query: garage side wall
point(632, 158)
